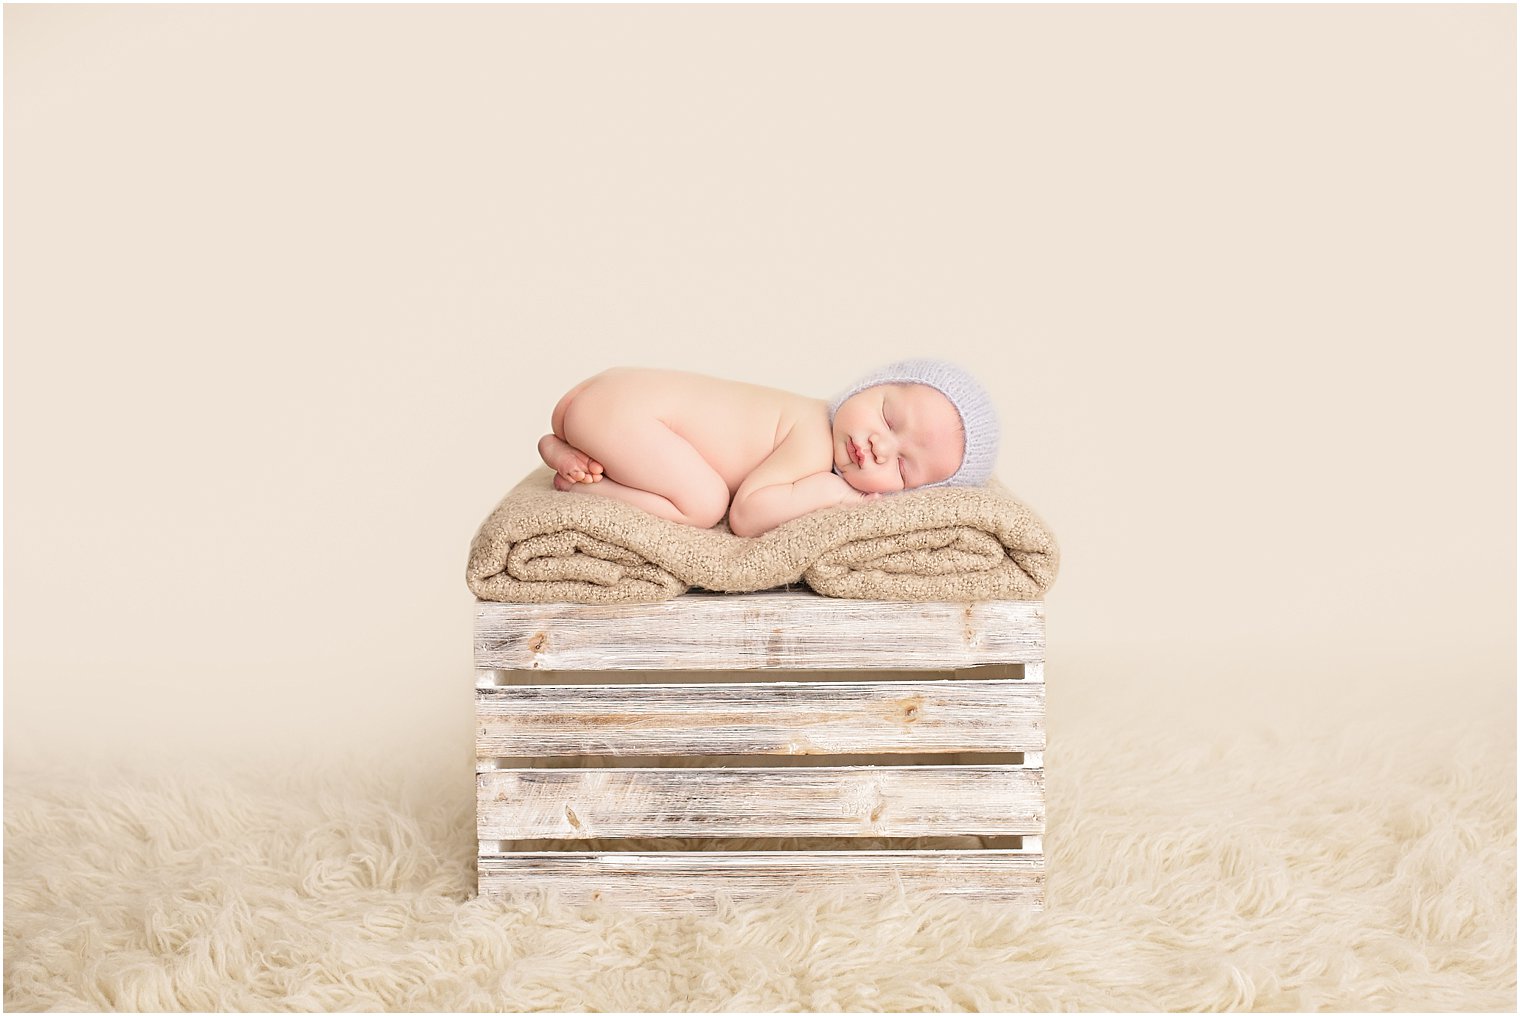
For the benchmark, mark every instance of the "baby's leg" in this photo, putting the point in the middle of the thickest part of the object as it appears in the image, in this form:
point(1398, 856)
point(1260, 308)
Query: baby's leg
point(654, 504)
point(647, 463)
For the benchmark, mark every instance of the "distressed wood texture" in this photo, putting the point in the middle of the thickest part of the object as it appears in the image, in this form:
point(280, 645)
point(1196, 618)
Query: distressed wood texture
point(772, 630)
point(746, 753)
point(516, 804)
point(777, 718)
point(689, 881)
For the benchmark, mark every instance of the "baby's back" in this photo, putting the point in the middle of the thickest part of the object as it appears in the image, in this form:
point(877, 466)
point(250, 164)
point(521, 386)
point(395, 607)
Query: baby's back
point(733, 425)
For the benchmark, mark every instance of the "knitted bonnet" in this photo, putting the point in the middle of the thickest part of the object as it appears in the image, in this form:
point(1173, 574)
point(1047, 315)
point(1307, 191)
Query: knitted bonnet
point(971, 401)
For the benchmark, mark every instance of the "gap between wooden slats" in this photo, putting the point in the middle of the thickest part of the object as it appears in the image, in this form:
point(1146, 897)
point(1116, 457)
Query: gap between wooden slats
point(771, 719)
point(1023, 759)
point(514, 804)
point(1031, 672)
point(763, 844)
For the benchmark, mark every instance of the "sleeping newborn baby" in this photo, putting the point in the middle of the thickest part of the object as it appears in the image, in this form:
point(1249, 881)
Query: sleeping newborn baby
point(692, 448)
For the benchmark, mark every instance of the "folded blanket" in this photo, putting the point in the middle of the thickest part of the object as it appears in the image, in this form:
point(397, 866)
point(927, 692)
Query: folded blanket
point(947, 543)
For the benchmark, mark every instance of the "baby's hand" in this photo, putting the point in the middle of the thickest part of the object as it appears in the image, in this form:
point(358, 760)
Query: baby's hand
point(853, 496)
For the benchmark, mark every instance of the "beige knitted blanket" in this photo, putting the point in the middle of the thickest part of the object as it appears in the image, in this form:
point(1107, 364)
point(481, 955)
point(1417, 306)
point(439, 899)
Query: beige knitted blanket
point(543, 545)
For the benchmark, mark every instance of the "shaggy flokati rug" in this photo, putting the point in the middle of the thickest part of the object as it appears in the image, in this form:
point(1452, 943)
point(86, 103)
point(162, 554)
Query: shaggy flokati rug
point(1369, 869)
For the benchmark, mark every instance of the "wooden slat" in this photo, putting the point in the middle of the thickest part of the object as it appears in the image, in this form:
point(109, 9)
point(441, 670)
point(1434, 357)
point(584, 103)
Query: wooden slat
point(776, 718)
point(774, 630)
point(515, 804)
point(689, 881)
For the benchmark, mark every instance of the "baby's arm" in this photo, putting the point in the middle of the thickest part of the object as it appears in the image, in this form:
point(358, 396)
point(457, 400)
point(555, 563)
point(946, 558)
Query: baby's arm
point(787, 486)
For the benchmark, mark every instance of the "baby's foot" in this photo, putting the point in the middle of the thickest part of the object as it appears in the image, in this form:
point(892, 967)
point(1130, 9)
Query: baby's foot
point(568, 462)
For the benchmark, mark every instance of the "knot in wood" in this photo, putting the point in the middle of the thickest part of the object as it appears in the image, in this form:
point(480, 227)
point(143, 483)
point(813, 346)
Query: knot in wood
point(539, 642)
point(911, 708)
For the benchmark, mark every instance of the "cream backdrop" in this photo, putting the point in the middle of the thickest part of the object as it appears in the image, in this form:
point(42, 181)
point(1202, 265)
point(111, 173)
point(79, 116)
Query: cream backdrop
point(291, 291)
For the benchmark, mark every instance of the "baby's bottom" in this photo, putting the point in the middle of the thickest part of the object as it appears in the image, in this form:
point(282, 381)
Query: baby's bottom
point(638, 459)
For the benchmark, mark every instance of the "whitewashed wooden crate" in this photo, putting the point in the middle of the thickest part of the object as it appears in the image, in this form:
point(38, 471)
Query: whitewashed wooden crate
point(622, 749)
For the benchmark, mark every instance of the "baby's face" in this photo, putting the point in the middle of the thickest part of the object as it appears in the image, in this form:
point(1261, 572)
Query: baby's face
point(894, 437)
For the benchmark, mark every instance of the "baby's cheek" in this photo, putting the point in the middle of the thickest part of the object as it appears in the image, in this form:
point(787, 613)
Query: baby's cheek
point(865, 488)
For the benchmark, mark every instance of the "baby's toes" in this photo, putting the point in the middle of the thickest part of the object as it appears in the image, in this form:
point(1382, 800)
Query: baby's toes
point(572, 467)
point(577, 468)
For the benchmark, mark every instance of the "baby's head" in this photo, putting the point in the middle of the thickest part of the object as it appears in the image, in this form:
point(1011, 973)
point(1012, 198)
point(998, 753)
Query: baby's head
point(914, 424)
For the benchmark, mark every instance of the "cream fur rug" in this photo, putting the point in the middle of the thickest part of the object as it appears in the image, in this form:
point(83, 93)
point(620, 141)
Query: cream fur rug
point(1365, 869)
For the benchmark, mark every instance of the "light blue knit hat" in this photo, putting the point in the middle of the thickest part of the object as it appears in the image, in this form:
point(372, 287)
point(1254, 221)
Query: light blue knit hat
point(970, 399)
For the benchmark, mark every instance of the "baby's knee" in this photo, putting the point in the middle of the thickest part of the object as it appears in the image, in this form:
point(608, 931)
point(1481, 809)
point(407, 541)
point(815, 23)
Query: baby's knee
point(703, 504)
